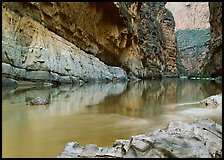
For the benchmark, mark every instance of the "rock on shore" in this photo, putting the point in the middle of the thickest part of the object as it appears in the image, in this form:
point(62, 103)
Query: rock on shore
point(199, 139)
point(213, 101)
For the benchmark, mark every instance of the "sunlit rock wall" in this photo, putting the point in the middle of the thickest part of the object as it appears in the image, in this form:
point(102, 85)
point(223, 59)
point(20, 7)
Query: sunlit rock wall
point(109, 31)
point(32, 52)
point(190, 15)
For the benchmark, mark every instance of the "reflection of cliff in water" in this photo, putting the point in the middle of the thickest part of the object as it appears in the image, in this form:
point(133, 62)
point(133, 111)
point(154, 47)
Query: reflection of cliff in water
point(196, 90)
point(147, 98)
point(140, 99)
point(65, 99)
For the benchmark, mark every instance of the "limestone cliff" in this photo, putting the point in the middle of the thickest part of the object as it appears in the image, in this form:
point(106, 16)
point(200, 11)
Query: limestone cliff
point(157, 39)
point(53, 38)
point(192, 32)
point(196, 56)
point(213, 64)
point(31, 52)
point(190, 15)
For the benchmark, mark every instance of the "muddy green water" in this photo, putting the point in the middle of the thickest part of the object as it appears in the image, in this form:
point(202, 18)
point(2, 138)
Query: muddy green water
point(97, 113)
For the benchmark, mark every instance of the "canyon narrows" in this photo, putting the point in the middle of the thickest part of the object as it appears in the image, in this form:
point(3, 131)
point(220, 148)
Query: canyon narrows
point(105, 71)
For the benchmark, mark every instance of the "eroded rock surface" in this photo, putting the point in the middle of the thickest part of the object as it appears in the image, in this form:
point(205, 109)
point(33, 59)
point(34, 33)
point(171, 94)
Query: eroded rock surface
point(157, 40)
point(33, 53)
point(213, 101)
point(55, 33)
point(199, 60)
point(213, 63)
point(199, 139)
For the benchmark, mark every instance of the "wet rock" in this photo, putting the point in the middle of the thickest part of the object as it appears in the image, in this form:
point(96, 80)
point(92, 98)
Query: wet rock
point(37, 101)
point(199, 139)
point(89, 151)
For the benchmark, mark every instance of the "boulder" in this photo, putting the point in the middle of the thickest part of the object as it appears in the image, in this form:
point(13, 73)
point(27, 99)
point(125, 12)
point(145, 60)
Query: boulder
point(198, 139)
point(213, 101)
point(37, 101)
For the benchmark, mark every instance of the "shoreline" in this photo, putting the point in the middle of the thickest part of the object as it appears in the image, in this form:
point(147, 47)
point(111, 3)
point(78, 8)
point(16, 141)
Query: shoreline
point(201, 138)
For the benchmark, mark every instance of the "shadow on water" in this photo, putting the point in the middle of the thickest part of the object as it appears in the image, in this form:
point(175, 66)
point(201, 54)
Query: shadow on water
point(97, 113)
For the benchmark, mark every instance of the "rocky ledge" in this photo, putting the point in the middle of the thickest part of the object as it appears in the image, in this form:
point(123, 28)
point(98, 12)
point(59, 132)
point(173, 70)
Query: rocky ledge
point(199, 139)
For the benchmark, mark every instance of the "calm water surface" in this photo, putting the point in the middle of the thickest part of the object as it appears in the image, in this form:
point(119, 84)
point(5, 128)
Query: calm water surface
point(98, 113)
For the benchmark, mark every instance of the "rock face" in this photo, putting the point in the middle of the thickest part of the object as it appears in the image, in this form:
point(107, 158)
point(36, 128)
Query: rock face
point(213, 101)
point(32, 52)
point(201, 60)
point(199, 139)
point(213, 64)
point(190, 15)
point(193, 47)
point(193, 35)
point(60, 41)
point(157, 39)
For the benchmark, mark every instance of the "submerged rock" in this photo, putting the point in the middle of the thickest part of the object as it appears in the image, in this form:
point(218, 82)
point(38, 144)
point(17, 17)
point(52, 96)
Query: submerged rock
point(37, 101)
point(199, 139)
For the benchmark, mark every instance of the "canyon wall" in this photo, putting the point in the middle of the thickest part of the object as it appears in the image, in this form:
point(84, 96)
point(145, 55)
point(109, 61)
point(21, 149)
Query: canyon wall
point(199, 40)
point(76, 41)
point(213, 64)
point(193, 35)
point(190, 15)
point(157, 39)
point(30, 52)
point(193, 47)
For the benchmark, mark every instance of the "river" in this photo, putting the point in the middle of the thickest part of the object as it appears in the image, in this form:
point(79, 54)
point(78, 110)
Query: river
point(98, 113)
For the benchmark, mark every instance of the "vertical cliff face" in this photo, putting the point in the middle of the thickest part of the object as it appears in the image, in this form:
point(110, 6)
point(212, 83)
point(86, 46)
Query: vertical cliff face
point(199, 30)
point(213, 63)
point(157, 39)
point(33, 53)
point(193, 35)
point(112, 32)
point(190, 15)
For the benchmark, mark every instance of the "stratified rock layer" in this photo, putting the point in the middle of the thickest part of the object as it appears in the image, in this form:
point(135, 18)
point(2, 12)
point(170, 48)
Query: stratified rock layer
point(199, 139)
point(33, 53)
point(110, 31)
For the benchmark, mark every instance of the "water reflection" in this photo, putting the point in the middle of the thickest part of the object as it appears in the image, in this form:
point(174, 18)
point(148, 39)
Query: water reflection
point(97, 113)
point(147, 98)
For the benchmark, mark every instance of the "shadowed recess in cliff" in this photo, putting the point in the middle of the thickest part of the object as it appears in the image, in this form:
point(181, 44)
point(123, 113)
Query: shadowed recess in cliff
point(110, 31)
